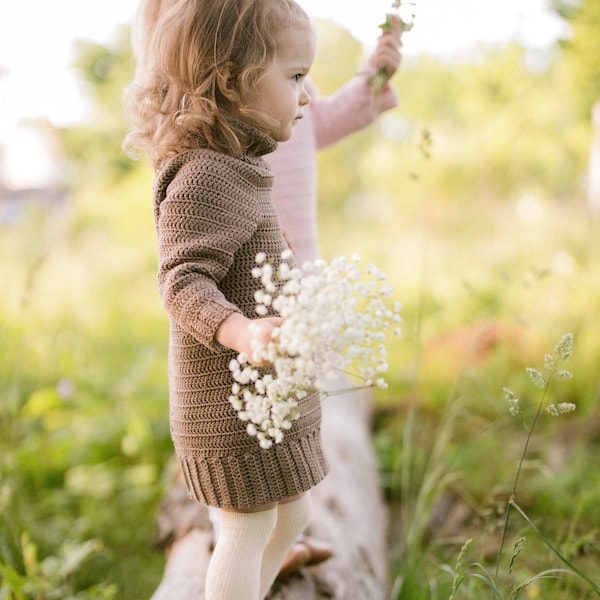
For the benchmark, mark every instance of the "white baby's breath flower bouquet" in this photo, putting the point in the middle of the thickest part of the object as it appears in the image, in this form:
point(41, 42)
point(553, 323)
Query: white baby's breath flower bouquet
point(335, 317)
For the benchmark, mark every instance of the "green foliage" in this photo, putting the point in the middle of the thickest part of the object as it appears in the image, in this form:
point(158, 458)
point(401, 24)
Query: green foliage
point(495, 130)
point(581, 50)
point(95, 146)
point(334, 42)
point(83, 400)
point(52, 578)
point(467, 196)
point(540, 563)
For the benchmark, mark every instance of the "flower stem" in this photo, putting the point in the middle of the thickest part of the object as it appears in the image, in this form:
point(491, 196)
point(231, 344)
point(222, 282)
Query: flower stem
point(513, 493)
point(328, 393)
point(571, 566)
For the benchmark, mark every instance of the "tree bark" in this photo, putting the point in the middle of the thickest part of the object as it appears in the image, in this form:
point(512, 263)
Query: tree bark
point(348, 512)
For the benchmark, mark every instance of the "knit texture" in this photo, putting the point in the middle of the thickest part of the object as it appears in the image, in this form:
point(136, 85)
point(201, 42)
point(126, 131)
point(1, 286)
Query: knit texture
point(234, 571)
point(292, 519)
point(213, 214)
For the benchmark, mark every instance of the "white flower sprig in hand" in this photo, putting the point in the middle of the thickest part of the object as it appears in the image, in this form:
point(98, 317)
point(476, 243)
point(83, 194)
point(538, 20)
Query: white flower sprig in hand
point(335, 317)
point(398, 21)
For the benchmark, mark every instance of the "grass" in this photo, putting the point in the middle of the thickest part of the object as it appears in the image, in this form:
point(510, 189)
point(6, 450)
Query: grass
point(485, 292)
point(486, 296)
point(83, 407)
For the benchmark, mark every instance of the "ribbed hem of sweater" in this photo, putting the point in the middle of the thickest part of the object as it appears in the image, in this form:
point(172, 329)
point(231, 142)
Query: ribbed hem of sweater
point(288, 469)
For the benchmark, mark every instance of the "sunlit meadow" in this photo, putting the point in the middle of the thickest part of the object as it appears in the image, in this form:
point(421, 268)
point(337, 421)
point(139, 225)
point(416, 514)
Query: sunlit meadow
point(477, 217)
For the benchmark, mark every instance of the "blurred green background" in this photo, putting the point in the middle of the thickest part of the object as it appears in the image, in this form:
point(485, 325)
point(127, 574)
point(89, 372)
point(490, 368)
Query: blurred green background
point(471, 196)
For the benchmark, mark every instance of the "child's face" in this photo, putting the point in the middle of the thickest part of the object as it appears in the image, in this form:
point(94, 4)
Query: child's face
point(280, 92)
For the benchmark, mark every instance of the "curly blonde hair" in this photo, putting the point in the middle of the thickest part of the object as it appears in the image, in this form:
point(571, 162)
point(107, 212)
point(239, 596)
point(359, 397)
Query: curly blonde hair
point(196, 62)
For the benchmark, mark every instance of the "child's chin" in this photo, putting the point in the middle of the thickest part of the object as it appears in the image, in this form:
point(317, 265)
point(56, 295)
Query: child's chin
point(284, 136)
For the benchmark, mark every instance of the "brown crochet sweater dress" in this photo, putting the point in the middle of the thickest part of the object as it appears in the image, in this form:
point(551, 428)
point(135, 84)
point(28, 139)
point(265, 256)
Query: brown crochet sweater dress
point(213, 214)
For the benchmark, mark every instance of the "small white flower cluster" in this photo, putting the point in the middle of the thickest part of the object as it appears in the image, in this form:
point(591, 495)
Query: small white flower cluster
point(334, 317)
point(513, 402)
point(562, 408)
point(562, 352)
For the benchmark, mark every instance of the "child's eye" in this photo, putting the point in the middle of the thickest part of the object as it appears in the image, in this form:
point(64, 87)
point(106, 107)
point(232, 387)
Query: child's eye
point(297, 77)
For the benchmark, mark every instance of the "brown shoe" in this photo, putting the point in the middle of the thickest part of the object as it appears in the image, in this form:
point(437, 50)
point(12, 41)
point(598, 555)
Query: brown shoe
point(305, 552)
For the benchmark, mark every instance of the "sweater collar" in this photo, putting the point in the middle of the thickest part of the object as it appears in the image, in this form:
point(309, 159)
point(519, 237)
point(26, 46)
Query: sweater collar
point(257, 142)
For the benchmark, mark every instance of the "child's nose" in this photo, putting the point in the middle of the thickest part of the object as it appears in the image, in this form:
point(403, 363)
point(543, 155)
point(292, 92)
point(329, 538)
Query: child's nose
point(304, 97)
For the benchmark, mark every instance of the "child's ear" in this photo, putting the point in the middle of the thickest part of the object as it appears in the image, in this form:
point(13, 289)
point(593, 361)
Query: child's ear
point(228, 82)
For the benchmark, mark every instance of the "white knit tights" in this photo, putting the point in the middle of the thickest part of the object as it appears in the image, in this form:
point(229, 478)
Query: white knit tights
point(251, 548)
point(292, 519)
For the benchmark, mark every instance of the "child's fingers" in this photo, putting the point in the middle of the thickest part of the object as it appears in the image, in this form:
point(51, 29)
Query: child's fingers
point(263, 329)
point(387, 55)
point(396, 28)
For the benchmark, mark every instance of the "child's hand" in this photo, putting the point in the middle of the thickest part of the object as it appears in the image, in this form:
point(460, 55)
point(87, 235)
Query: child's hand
point(386, 58)
point(238, 333)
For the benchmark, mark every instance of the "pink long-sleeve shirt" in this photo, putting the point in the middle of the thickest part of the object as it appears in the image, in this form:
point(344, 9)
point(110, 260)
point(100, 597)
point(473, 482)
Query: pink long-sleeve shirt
point(294, 163)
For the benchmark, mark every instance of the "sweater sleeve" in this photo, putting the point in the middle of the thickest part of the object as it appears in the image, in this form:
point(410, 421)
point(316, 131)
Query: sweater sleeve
point(348, 110)
point(200, 227)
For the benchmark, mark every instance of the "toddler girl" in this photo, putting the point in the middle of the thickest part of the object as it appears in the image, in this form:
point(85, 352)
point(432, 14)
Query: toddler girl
point(222, 84)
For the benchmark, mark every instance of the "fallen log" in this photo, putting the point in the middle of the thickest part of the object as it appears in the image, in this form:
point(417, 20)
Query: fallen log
point(348, 512)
